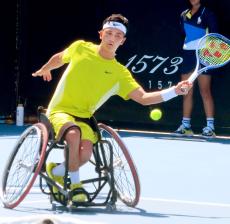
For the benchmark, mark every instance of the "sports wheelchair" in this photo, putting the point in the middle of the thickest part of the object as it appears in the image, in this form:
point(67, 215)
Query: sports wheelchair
point(115, 172)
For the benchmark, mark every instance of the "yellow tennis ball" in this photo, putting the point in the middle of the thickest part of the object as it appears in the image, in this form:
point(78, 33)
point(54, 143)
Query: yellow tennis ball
point(155, 114)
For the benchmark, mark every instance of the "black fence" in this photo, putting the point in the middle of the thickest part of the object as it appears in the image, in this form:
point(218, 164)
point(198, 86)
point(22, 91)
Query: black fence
point(34, 30)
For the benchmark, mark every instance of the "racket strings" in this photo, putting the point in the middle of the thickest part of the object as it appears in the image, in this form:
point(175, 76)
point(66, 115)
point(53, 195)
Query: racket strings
point(213, 51)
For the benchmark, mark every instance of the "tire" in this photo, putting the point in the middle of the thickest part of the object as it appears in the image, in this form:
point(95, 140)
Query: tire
point(126, 179)
point(24, 164)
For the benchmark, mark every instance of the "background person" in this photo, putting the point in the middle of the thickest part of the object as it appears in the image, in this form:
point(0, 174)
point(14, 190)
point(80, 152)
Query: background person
point(196, 21)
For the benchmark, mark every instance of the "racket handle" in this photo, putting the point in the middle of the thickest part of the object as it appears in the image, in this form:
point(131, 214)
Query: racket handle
point(191, 79)
point(193, 76)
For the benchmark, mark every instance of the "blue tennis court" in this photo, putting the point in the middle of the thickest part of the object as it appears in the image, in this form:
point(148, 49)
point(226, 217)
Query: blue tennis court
point(183, 180)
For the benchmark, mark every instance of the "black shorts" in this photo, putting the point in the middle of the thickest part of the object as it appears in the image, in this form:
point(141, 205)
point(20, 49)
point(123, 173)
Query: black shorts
point(189, 62)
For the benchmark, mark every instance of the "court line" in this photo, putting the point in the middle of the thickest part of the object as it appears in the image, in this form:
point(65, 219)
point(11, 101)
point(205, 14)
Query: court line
point(172, 135)
point(214, 204)
point(186, 202)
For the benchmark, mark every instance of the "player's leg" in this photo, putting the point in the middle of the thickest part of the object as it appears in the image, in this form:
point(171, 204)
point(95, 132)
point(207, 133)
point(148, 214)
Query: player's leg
point(187, 67)
point(85, 153)
point(86, 150)
point(73, 139)
point(204, 82)
point(185, 127)
point(79, 150)
point(187, 100)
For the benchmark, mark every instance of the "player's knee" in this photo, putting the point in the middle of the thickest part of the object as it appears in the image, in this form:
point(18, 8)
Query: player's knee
point(73, 134)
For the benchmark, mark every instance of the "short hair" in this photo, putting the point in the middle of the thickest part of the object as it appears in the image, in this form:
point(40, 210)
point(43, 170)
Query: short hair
point(117, 18)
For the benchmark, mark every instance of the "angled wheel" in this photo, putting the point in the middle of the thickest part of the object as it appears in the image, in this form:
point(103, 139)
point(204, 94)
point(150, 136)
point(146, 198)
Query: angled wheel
point(24, 164)
point(125, 174)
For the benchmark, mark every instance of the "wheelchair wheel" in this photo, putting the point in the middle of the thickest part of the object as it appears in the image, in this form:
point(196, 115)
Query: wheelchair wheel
point(126, 178)
point(24, 164)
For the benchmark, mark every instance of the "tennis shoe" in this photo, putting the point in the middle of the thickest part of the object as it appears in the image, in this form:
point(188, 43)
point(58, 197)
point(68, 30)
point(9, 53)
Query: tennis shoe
point(55, 178)
point(78, 197)
point(183, 131)
point(208, 132)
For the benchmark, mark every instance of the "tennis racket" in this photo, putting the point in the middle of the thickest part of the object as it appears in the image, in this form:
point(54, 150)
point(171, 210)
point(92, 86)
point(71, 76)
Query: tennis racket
point(213, 51)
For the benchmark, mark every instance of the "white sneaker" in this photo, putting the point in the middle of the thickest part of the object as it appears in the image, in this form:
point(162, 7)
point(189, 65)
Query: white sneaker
point(208, 132)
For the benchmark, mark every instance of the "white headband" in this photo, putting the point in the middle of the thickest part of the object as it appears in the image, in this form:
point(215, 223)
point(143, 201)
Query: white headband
point(117, 25)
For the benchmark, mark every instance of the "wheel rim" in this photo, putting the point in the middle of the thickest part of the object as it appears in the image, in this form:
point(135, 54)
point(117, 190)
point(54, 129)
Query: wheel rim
point(23, 164)
point(125, 174)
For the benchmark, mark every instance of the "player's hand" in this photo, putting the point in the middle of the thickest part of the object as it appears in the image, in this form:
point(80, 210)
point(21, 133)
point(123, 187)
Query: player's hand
point(183, 87)
point(45, 74)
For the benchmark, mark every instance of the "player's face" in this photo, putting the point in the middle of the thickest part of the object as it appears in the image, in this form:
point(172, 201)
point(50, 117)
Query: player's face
point(112, 38)
point(195, 2)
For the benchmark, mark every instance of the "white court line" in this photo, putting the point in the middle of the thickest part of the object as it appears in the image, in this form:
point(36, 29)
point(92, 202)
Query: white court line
point(214, 204)
point(186, 202)
point(170, 134)
point(37, 190)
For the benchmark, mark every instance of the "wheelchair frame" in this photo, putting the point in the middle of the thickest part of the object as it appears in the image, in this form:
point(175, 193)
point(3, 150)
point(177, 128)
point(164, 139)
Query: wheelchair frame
point(110, 158)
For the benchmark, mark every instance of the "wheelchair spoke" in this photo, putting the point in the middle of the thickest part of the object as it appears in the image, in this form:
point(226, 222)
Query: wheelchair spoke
point(125, 174)
point(24, 164)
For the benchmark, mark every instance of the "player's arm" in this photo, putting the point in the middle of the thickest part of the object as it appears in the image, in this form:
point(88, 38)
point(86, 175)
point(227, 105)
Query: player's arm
point(147, 98)
point(54, 62)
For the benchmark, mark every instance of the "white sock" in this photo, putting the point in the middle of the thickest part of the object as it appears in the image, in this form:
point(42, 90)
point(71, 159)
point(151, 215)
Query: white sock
point(186, 122)
point(59, 170)
point(210, 122)
point(74, 177)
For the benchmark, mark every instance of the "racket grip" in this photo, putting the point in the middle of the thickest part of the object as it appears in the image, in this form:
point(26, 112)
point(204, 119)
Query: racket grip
point(192, 77)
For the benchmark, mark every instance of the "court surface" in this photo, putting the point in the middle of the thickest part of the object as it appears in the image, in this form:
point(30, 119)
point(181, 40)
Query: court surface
point(183, 181)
